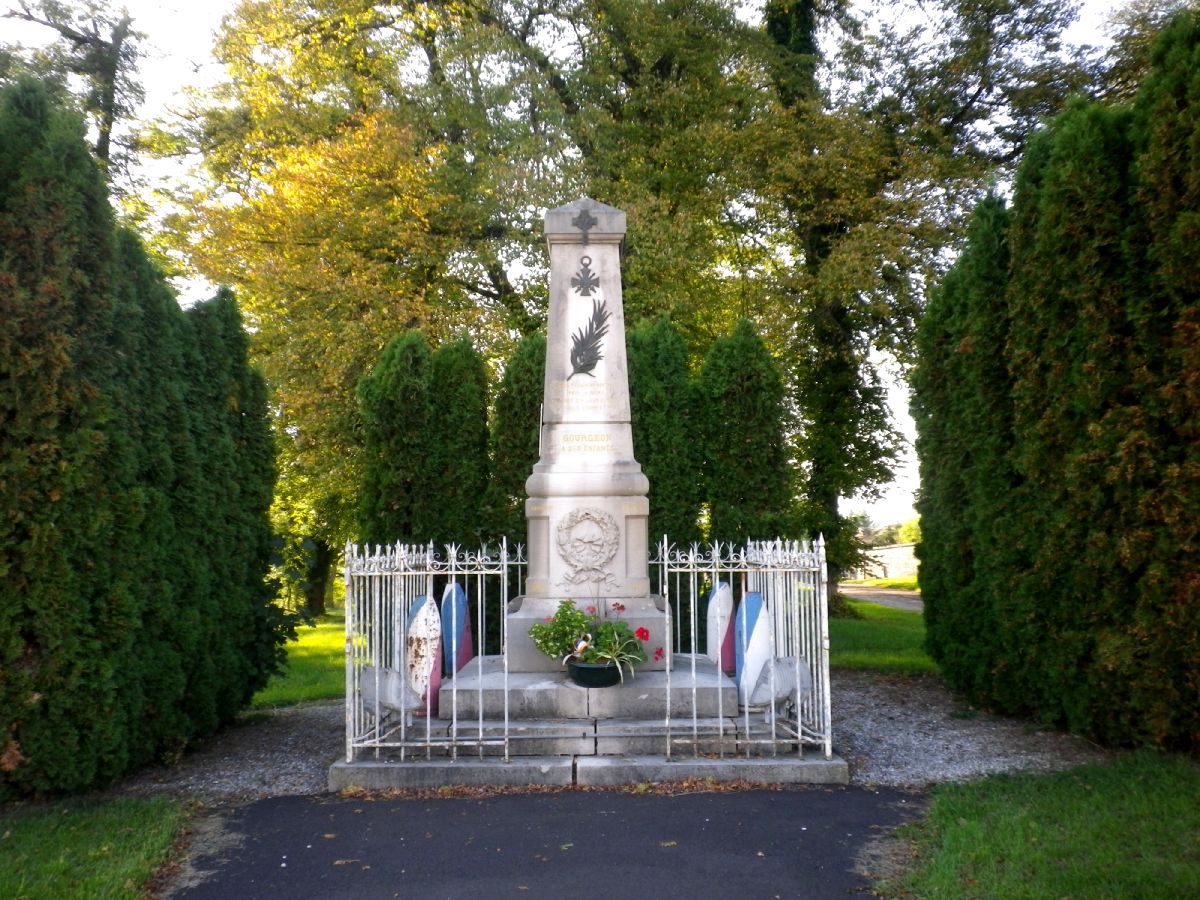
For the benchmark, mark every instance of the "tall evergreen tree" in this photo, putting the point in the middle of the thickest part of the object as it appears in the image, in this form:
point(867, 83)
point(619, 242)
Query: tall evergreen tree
point(740, 424)
point(1162, 660)
point(57, 505)
point(961, 406)
point(230, 532)
point(152, 413)
point(515, 437)
point(393, 401)
point(457, 475)
point(1080, 607)
point(661, 409)
point(1069, 357)
point(135, 474)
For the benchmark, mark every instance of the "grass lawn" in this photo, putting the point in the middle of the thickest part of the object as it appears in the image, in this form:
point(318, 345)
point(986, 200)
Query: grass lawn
point(316, 666)
point(884, 640)
point(92, 849)
point(899, 584)
point(1128, 829)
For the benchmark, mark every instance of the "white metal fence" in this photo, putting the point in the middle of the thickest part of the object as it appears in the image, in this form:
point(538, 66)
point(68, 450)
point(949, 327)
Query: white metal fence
point(786, 706)
point(792, 689)
point(382, 585)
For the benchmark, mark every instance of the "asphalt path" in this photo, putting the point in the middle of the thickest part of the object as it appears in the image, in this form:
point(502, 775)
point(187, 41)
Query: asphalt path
point(897, 599)
point(798, 843)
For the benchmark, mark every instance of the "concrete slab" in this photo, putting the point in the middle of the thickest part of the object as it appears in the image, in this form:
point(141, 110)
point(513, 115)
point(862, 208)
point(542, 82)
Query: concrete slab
point(584, 770)
point(550, 695)
point(613, 770)
point(531, 695)
point(383, 775)
point(534, 737)
point(645, 695)
point(626, 737)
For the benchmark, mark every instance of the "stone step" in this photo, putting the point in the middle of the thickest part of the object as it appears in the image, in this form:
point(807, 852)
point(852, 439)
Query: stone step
point(372, 774)
point(592, 737)
point(550, 695)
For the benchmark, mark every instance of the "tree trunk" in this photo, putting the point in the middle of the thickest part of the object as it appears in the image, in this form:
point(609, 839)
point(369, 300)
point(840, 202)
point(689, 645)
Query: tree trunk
point(317, 582)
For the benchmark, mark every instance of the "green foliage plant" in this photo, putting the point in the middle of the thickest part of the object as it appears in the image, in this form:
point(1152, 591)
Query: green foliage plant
point(572, 633)
point(558, 635)
point(616, 643)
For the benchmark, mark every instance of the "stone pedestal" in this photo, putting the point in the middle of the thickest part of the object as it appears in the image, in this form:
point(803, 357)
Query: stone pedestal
point(587, 506)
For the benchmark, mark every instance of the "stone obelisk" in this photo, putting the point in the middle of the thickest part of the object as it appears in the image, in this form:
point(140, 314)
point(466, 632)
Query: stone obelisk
point(588, 498)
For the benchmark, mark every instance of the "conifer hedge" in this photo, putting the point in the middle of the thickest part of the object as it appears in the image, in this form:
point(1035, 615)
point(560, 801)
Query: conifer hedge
point(740, 417)
point(431, 472)
point(515, 436)
point(425, 433)
point(393, 405)
point(661, 408)
point(458, 444)
point(136, 470)
point(1057, 403)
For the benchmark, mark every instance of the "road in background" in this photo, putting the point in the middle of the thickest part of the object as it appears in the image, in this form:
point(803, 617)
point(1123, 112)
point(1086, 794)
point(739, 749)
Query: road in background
point(897, 599)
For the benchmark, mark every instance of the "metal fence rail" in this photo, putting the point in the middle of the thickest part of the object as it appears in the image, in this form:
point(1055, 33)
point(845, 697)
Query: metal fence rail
point(382, 586)
point(791, 696)
point(787, 708)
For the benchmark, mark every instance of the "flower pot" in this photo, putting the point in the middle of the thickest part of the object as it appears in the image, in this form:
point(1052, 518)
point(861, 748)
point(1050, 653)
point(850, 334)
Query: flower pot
point(593, 675)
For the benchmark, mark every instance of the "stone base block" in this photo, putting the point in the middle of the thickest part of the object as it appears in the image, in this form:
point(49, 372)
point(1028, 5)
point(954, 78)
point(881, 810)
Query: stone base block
point(615, 770)
point(380, 775)
point(537, 695)
point(544, 737)
point(583, 770)
point(626, 737)
point(725, 737)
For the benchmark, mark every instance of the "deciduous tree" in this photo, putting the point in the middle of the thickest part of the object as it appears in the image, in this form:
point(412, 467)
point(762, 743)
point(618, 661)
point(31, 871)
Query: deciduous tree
point(756, 185)
point(100, 46)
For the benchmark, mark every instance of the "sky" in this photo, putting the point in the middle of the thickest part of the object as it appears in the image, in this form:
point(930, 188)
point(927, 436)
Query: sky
point(179, 38)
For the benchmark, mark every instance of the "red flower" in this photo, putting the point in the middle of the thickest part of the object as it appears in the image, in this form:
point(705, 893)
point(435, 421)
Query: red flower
point(591, 610)
point(643, 634)
point(658, 654)
point(619, 607)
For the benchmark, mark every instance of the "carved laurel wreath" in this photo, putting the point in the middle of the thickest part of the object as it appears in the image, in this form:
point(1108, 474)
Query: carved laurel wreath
point(588, 568)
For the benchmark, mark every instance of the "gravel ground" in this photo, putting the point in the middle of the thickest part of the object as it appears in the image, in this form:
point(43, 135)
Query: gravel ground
point(912, 732)
point(893, 731)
